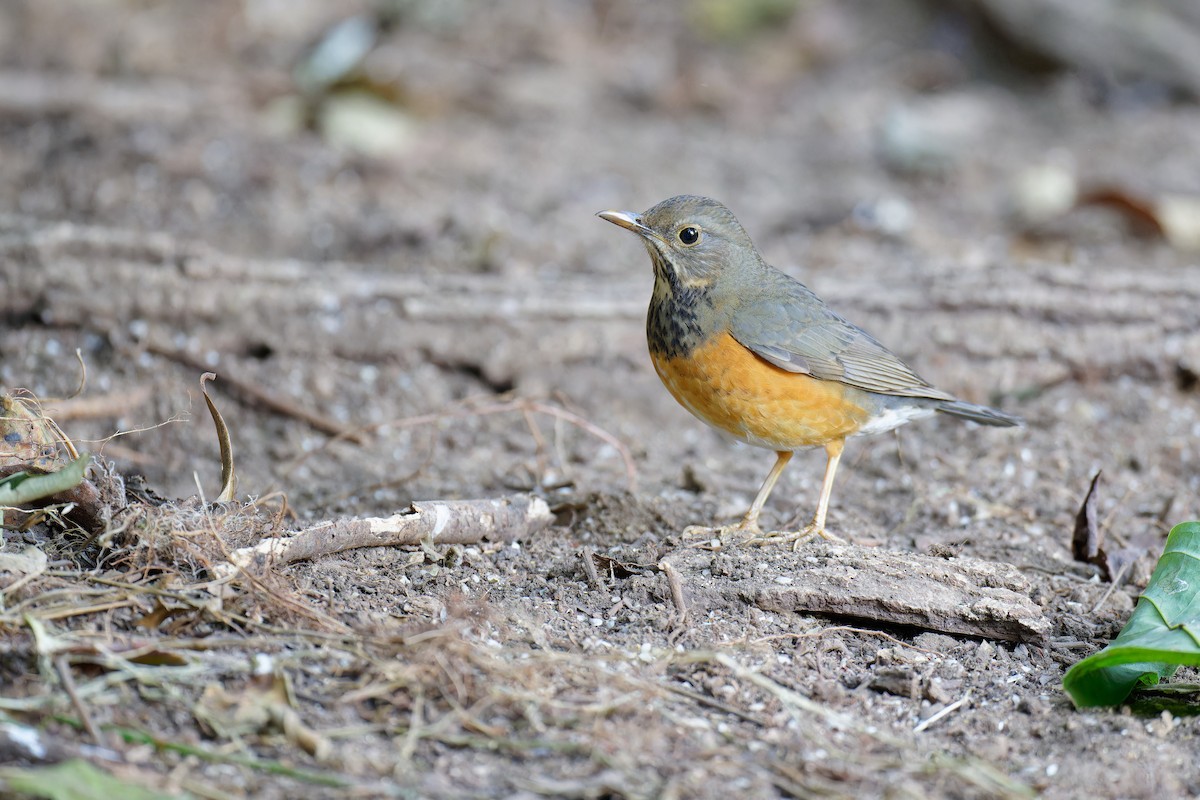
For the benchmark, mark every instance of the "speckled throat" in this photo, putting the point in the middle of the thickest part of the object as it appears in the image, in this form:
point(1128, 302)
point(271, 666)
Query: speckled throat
point(681, 316)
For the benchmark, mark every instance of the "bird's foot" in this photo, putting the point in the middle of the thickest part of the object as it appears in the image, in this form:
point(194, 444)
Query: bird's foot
point(797, 538)
point(723, 535)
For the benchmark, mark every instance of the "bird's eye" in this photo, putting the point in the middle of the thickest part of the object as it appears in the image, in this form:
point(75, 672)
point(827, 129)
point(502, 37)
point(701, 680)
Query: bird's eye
point(689, 235)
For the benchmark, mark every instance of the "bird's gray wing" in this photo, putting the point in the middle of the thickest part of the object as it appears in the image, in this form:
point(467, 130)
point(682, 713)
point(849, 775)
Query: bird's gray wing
point(794, 330)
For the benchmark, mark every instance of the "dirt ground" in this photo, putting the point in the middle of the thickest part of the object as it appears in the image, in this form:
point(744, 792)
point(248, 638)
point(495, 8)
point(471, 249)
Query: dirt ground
point(449, 294)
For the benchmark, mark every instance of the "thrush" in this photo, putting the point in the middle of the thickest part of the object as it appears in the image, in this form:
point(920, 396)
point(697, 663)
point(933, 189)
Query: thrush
point(754, 353)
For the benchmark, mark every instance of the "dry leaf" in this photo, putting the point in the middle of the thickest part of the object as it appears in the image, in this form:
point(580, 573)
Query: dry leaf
point(228, 476)
point(1087, 543)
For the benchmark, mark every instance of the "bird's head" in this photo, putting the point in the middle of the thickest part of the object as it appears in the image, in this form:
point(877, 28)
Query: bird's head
point(691, 240)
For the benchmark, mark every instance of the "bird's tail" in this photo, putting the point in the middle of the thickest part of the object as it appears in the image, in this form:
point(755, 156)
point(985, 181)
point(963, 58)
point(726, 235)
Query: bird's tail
point(981, 414)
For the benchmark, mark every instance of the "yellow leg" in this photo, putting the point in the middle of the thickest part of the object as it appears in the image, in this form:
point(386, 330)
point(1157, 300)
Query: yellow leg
point(748, 527)
point(833, 453)
point(750, 521)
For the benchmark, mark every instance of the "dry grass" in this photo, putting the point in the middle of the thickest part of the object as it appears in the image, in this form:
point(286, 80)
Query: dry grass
point(142, 651)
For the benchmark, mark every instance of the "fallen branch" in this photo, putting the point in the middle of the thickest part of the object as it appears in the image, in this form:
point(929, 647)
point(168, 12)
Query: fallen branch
point(436, 521)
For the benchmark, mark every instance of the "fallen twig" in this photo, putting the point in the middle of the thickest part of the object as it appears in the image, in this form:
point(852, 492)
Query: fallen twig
point(676, 584)
point(439, 522)
point(114, 404)
point(792, 700)
point(261, 397)
point(523, 405)
point(588, 556)
point(945, 712)
point(63, 668)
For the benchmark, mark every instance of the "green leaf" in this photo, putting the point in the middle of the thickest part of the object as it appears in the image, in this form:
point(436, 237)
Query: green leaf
point(25, 487)
point(1162, 633)
point(73, 780)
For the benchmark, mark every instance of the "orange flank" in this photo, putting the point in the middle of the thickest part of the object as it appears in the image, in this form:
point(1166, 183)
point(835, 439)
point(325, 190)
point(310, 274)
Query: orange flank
point(734, 390)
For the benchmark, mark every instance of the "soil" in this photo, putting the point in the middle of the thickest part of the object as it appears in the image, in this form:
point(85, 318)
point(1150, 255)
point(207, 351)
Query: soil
point(453, 299)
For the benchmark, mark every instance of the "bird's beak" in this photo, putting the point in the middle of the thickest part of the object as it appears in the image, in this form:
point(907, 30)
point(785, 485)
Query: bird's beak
point(627, 220)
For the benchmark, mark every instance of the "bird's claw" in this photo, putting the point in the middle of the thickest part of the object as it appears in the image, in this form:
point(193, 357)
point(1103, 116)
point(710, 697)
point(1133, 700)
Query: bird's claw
point(797, 538)
point(722, 535)
point(749, 533)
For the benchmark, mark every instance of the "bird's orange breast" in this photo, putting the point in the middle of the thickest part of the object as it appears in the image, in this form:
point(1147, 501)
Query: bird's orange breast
point(730, 388)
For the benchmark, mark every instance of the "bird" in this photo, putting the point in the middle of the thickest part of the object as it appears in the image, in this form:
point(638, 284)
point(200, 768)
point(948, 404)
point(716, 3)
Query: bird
point(754, 353)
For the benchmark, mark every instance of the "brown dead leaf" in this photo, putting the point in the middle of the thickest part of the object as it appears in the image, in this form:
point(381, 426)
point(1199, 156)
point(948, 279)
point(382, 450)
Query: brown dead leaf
point(263, 706)
point(159, 658)
point(156, 617)
point(619, 569)
point(1087, 543)
point(228, 475)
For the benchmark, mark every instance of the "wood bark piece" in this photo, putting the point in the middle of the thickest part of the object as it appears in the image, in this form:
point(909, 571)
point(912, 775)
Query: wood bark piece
point(439, 521)
point(961, 596)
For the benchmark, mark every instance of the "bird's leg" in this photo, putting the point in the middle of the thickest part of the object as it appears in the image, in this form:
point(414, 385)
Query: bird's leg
point(833, 452)
point(817, 527)
point(749, 522)
point(748, 527)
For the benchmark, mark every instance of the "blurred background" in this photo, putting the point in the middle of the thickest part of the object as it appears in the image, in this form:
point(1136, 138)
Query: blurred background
point(427, 136)
point(378, 210)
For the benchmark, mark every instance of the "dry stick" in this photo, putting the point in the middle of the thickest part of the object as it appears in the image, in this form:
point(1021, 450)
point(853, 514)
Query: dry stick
point(589, 567)
point(789, 697)
point(263, 398)
point(441, 522)
point(64, 674)
point(1112, 586)
point(819, 632)
point(522, 405)
point(945, 712)
point(66, 613)
point(676, 585)
point(100, 406)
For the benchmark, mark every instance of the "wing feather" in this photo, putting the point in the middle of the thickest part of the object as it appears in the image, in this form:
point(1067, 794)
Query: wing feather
point(794, 330)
